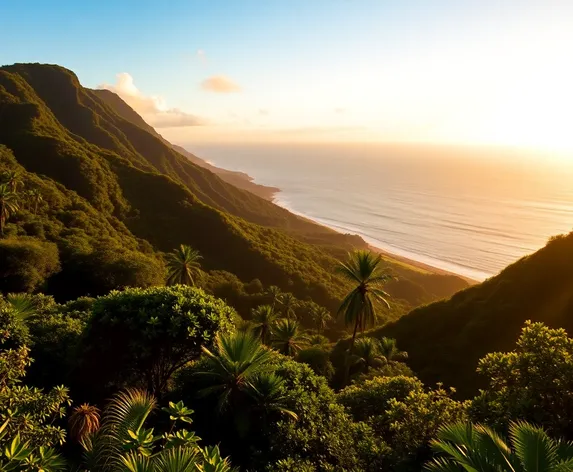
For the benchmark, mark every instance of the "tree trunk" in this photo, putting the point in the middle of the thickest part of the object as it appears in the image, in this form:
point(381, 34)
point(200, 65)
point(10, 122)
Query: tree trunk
point(350, 352)
point(2, 220)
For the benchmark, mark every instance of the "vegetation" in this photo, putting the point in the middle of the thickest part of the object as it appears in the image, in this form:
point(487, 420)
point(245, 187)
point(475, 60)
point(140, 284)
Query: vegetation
point(183, 265)
point(467, 447)
point(287, 337)
point(538, 287)
point(171, 365)
point(264, 320)
point(358, 307)
point(144, 336)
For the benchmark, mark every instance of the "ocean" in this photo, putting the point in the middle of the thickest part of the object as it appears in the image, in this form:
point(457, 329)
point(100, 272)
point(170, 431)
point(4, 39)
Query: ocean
point(468, 210)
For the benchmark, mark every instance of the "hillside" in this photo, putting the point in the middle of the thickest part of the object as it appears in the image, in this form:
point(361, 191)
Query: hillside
point(148, 199)
point(446, 339)
point(238, 179)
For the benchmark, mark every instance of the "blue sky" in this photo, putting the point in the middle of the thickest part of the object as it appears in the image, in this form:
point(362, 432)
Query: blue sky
point(350, 70)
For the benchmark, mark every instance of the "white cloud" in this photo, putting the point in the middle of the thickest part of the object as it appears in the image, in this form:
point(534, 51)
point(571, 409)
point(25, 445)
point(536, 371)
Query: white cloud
point(152, 108)
point(201, 55)
point(220, 84)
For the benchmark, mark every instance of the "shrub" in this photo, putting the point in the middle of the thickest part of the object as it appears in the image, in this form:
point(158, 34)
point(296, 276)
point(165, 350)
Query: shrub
point(141, 337)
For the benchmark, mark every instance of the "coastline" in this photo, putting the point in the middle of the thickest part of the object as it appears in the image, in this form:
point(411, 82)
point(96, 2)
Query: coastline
point(246, 182)
point(393, 257)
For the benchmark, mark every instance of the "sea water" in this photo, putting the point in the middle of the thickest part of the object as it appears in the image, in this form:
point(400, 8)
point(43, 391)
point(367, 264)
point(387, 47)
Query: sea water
point(468, 210)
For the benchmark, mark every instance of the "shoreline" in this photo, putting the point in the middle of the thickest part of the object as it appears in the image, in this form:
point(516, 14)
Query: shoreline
point(422, 266)
point(270, 193)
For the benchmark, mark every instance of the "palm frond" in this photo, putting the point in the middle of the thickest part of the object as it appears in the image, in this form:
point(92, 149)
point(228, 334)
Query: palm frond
point(534, 448)
point(22, 305)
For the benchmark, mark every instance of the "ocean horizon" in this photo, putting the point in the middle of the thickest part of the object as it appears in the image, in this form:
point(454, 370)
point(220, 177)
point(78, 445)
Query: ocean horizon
point(467, 210)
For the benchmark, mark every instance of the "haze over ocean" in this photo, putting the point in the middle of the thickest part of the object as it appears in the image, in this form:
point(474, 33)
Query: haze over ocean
point(469, 210)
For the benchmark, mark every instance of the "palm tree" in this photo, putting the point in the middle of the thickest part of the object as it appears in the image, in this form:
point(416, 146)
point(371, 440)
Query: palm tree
point(466, 447)
point(321, 317)
point(318, 340)
point(183, 265)
point(269, 395)
point(289, 303)
point(389, 349)
point(275, 294)
point(36, 198)
point(12, 179)
point(367, 355)
point(244, 326)
point(229, 369)
point(22, 306)
point(8, 205)
point(362, 269)
point(83, 422)
point(287, 337)
point(239, 374)
point(264, 319)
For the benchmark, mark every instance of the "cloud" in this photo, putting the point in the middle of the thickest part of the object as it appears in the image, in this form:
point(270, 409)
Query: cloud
point(220, 84)
point(152, 108)
point(201, 55)
point(340, 110)
point(263, 112)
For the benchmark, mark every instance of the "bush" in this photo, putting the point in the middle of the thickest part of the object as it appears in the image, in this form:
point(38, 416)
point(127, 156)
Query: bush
point(140, 337)
point(318, 360)
point(532, 383)
point(372, 397)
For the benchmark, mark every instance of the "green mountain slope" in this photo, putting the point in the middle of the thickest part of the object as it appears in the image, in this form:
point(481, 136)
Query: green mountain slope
point(237, 179)
point(105, 160)
point(446, 339)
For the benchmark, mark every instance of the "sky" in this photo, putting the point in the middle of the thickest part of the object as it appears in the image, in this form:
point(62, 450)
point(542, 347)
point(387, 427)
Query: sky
point(444, 71)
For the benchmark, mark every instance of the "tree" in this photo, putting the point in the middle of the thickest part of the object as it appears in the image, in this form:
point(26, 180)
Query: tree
point(318, 360)
point(236, 360)
point(12, 179)
point(287, 337)
point(362, 269)
point(183, 266)
point(324, 434)
point(8, 205)
point(372, 398)
point(402, 413)
point(238, 375)
point(274, 293)
point(367, 355)
point(36, 198)
point(141, 337)
point(534, 382)
point(321, 316)
point(264, 319)
point(389, 349)
point(466, 447)
point(289, 303)
point(124, 443)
